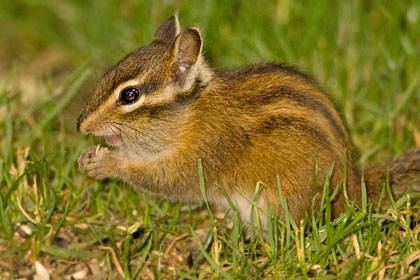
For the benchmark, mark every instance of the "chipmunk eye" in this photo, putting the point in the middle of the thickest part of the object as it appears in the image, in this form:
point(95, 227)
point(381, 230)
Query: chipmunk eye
point(129, 96)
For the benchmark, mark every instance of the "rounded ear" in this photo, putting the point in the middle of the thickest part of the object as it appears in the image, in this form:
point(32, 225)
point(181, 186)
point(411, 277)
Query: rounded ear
point(187, 49)
point(167, 31)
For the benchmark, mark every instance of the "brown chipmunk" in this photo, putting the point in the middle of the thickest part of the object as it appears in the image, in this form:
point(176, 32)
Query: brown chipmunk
point(162, 109)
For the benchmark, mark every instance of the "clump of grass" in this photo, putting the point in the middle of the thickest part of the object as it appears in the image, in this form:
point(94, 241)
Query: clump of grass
point(54, 218)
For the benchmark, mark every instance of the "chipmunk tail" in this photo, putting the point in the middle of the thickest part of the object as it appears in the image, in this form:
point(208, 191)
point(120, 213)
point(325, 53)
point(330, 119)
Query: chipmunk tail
point(404, 175)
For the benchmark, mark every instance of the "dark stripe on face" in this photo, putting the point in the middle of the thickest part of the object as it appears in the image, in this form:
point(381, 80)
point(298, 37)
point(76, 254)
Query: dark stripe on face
point(305, 100)
point(299, 126)
point(160, 110)
point(147, 87)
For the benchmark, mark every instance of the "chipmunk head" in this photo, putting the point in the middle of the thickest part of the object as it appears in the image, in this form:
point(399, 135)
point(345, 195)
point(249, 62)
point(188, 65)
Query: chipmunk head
point(138, 101)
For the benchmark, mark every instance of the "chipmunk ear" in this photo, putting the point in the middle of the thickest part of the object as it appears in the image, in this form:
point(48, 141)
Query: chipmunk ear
point(167, 31)
point(187, 50)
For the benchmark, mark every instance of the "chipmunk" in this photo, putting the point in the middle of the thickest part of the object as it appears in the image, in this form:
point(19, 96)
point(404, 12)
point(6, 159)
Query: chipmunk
point(162, 108)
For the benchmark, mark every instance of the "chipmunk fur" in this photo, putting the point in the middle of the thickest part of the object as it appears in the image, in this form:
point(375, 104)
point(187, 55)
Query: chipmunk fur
point(163, 108)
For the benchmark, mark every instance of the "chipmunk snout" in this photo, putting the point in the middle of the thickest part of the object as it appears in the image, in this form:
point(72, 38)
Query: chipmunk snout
point(92, 125)
point(82, 127)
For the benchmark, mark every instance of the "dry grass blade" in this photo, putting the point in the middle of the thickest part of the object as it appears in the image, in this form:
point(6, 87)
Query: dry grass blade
point(115, 260)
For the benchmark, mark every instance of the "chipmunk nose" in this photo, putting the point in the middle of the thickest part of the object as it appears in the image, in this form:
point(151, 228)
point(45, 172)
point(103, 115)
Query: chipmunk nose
point(80, 126)
point(79, 121)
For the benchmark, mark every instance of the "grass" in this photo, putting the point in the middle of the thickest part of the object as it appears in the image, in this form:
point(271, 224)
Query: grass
point(365, 53)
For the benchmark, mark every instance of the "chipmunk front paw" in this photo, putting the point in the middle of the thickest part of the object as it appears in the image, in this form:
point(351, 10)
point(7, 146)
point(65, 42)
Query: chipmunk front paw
point(96, 162)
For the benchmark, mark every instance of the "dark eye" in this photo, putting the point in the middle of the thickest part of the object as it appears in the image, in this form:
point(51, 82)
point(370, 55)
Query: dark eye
point(129, 96)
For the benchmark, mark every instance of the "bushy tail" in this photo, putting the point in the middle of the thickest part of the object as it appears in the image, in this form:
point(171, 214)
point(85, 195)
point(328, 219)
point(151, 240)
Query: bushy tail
point(404, 175)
